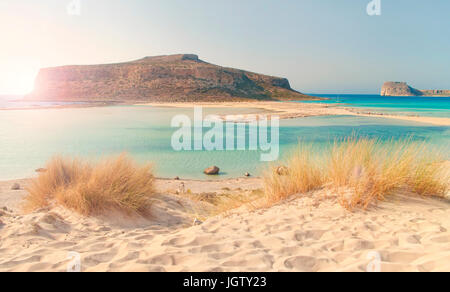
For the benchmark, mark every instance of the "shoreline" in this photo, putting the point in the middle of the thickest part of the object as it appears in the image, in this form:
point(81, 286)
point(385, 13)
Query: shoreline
point(65, 106)
point(287, 110)
point(437, 121)
point(284, 110)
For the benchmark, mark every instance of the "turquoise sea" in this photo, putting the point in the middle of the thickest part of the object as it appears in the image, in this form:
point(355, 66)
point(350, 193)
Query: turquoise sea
point(398, 105)
point(28, 138)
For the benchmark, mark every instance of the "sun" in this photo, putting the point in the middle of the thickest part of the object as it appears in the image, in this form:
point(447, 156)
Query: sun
point(17, 79)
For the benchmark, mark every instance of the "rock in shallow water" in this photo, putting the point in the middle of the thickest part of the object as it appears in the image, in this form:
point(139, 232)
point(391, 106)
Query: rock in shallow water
point(213, 170)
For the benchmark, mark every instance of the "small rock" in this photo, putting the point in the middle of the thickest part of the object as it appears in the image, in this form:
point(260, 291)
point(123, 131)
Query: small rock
point(177, 178)
point(15, 187)
point(41, 170)
point(247, 174)
point(213, 170)
point(282, 170)
point(197, 222)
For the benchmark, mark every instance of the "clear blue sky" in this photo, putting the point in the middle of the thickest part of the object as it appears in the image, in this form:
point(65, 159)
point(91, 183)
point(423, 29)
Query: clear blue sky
point(322, 46)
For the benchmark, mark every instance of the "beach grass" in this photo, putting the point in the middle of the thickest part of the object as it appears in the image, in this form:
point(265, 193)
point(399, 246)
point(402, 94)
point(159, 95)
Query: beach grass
point(225, 203)
point(304, 174)
point(112, 184)
point(361, 171)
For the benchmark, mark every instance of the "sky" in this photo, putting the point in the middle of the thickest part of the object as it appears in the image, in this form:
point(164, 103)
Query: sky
point(321, 46)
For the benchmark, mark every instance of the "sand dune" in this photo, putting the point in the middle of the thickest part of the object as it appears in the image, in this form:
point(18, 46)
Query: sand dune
point(308, 233)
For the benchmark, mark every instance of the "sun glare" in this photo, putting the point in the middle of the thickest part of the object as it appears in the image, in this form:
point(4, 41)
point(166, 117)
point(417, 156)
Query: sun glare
point(17, 80)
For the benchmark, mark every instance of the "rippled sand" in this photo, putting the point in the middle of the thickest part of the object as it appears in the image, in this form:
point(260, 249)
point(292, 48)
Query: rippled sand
point(309, 233)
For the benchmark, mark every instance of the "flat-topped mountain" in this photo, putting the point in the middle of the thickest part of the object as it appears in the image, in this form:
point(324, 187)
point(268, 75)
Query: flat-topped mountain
point(174, 78)
point(403, 89)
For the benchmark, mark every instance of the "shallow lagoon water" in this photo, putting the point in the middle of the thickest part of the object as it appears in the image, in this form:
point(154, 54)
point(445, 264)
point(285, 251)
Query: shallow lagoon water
point(30, 137)
point(397, 105)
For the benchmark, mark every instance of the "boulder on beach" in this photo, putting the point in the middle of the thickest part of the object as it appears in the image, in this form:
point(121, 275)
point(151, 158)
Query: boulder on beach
point(213, 170)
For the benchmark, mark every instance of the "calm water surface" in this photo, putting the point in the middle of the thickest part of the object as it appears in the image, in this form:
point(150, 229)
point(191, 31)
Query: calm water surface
point(28, 138)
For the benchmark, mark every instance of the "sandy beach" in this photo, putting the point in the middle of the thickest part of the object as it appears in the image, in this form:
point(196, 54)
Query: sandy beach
point(193, 138)
point(292, 110)
point(305, 233)
point(426, 120)
point(283, 110)
point(185, 232)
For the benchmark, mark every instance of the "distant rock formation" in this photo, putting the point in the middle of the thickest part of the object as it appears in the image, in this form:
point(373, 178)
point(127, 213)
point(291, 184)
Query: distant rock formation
point(398, 89)
point(174, 78)
point(438, 92)
point(403, 89)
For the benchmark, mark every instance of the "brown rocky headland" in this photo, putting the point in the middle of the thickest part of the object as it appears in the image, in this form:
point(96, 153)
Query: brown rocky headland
point(174, 78)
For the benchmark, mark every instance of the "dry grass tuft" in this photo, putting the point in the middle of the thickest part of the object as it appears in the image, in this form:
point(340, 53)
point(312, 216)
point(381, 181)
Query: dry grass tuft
point(430, 178)
point(224, 203)
point(114, 184)
point(304, 174)
point(369, 168)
